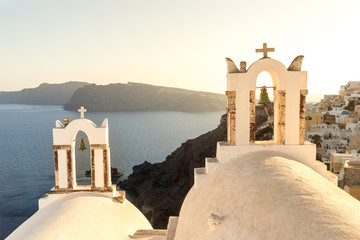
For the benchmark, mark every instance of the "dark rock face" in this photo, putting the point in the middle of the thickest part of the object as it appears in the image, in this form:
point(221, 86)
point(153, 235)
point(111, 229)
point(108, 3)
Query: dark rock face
point(263, 125)
point(140, 97)
point(159, 189)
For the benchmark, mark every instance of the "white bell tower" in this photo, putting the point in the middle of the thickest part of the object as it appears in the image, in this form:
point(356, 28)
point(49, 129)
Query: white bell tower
point(290, 90)
point(64, 160)
point(64, 145)
point(289, 100)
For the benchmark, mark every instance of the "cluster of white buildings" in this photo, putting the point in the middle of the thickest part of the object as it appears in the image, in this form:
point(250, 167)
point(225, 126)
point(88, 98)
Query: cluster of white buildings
point(335, 138)
point(336, 124)
point(335, 120)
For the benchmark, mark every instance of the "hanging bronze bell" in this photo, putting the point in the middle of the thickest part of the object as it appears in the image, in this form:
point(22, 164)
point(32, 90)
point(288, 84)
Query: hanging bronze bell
point(264, 98)
point(82, 146)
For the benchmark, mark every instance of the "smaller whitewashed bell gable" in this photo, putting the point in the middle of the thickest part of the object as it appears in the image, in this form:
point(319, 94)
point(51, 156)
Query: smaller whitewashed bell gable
point(64, 150)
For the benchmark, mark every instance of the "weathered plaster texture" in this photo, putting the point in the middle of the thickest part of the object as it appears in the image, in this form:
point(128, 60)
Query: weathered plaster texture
point(231, 116)
point(252, 116)
point(281, 119)
point(302, 131)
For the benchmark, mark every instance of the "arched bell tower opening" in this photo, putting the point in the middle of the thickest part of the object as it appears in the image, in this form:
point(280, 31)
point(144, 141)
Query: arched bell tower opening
point(82, 156)
point(264, 107)
point(266, 79)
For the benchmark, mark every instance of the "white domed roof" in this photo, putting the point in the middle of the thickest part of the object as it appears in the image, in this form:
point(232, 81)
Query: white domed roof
point(262, 197)
point(83, 216)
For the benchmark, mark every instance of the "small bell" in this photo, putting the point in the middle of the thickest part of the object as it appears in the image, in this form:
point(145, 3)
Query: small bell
point(82, 146)
point(264, 98)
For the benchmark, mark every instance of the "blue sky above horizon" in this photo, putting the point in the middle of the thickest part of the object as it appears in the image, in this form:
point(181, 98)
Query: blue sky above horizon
point(173, 43)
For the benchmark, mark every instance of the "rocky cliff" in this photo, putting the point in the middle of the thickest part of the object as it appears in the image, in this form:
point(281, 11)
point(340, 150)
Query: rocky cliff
point(45, 94)
point(140, 97)
point(159, 189)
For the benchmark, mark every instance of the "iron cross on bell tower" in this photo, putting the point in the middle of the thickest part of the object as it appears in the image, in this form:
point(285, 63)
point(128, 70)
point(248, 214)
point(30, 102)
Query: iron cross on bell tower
point(265, 50)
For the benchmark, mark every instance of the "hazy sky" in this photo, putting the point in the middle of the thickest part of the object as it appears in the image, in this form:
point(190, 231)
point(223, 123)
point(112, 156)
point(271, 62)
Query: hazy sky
point(174, 43)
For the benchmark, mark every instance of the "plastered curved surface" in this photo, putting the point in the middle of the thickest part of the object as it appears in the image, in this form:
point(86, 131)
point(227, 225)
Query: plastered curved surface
point(83, 216)
point(264, 197)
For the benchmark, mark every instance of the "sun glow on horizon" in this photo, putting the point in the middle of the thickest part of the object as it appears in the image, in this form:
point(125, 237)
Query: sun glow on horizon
point(153, 43)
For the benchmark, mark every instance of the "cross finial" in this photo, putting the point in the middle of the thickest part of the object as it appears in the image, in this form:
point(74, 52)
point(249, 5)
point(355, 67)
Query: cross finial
point(82, 110)
point(265, 50)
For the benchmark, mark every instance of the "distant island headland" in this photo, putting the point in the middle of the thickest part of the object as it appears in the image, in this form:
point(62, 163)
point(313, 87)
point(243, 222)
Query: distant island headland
point(44, 94)
point(117, 97)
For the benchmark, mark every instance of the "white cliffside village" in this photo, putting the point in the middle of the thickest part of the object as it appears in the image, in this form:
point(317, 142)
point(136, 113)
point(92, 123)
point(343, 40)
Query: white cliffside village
point(251, 190)
point(336, 120)
point(333, 125)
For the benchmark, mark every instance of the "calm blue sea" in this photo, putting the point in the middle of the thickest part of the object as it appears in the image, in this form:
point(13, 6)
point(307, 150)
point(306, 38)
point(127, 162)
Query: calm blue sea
point(26, 155)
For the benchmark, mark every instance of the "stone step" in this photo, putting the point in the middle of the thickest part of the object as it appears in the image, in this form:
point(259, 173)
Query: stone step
point(332, 178)
point(149, 234)
point(171, 228)
point(119, 196)
point(199, 173)
point(321, 168)
point(211, 164)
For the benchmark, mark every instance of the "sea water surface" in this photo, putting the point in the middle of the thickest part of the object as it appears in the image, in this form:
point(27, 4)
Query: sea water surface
point(27, 158)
